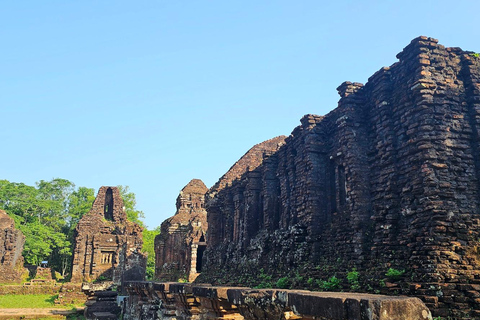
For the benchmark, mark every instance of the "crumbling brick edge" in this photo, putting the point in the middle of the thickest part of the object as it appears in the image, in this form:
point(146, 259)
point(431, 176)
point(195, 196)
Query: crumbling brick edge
point(155, 300)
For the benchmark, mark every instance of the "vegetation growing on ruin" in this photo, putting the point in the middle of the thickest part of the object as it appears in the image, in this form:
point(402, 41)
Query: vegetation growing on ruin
point(331, 284)
point(394, 274)
point(265, 280)
point(352, 278)
point(327, 275)
point(282, 283)
point(47, 215)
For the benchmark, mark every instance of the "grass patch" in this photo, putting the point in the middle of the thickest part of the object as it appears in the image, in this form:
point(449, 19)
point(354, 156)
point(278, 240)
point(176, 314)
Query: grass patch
point(11, 301)
point(69, 317)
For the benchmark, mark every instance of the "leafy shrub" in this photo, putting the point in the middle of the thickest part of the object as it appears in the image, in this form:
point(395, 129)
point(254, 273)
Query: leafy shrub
point(265, 280)
point(310, 281)
point(331, 284)
point(101, 278)
point(263, 276)
point(282, 283)
point(352, 278)
point(58, 276)
point(394, 274)
point(298, 277)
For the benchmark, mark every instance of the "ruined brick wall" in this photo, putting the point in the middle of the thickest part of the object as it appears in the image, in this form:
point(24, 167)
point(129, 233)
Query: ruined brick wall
point(224, 212)
point(153, 300)
point(180, 245)
point(11, 247)
point(107, 245)
point(388, 179)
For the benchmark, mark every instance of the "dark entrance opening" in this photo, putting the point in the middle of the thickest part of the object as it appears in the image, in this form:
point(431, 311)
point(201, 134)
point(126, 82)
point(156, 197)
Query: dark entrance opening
point(200, 251)
point(108, 209)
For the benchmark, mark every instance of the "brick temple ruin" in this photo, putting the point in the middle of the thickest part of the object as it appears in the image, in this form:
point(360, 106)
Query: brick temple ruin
point(387, 180)
point(11, 247)
point(181, 243)
point(107, 245)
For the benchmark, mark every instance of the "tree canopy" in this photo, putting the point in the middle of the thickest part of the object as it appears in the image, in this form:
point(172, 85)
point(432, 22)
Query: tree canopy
point(130, 203)
point(48, 213)
point(148, 247)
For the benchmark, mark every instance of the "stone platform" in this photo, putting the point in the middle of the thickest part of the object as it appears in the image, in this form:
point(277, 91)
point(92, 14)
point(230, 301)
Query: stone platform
point(153, 300)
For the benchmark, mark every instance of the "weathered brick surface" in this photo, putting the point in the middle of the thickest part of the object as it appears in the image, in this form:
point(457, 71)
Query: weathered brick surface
point(388, 179)
point(151, 300)
point(180, 245)
point(70, 293)
point(11, 247)
point(107, 245)
point(222, 213)
point(102, 305)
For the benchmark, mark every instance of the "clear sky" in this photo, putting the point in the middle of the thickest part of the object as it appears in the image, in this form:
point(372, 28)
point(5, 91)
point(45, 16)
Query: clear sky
point(151, 94)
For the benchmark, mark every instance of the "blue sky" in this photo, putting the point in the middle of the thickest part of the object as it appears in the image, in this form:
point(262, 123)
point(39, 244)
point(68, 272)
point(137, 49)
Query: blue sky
point(151, 94)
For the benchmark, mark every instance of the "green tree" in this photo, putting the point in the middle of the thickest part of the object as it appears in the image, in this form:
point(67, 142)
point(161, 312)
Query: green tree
point(38, 245)
point(148, 247)
point(130, 203)
point(47, 215)
point(79, 203)
point(20, 200)
point(53, 196)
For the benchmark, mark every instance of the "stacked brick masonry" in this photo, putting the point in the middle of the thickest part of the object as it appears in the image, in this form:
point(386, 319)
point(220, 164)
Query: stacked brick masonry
point(107, 245)
point(389, 179)
point(227, 215)
point(180, 244)
point(151, 300)
point(11, 247)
